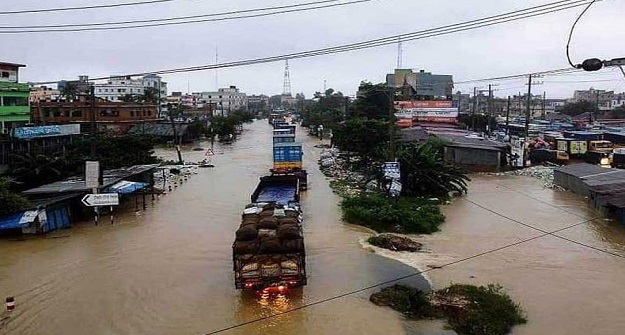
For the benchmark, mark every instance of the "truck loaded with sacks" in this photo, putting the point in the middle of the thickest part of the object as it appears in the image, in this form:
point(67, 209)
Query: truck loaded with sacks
point(268, 251)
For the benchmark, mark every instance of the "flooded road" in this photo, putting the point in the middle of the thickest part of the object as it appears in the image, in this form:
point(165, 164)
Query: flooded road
point(168, 269)
point(565, 288)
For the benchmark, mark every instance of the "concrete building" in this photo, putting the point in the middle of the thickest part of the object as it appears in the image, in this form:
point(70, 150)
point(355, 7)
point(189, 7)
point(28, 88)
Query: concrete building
point(80, 86)
point(111, 117)
point(14, 98)
point(117, 87)
point(44, 93)
point(602, 98)
point(257, 103)
point(424, 85)
point(618, 100)
point(225, 100)
point(462, 102)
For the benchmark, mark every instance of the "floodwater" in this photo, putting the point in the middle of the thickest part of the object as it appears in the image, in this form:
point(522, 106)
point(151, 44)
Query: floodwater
point(168, 269)
point(565, 288)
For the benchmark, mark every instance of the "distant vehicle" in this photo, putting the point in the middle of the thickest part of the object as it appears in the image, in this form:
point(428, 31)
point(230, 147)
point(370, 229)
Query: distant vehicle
point(540, 156)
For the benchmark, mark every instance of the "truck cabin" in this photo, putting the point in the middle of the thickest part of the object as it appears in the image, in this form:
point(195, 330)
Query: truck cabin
point(603, 146)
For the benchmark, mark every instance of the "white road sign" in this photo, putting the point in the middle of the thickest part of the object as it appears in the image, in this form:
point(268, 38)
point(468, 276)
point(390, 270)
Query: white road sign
point(92, 174)
point(391, 170)
point(102, 199)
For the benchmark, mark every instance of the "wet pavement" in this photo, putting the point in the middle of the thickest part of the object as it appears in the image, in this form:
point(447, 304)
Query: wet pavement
point(168, 269)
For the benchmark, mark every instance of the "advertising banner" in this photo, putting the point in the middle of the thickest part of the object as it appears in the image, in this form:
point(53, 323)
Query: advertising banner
point(46, 131)
point(423, 104)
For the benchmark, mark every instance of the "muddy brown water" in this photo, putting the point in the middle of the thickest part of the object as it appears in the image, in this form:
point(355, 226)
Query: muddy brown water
point(168, 269)
point(565, 288)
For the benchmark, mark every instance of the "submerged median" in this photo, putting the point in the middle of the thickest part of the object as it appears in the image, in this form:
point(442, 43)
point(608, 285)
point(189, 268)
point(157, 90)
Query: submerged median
point(468, 309)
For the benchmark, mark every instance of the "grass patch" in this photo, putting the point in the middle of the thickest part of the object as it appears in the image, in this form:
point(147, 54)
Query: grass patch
point(382, 214)
point(469, 310)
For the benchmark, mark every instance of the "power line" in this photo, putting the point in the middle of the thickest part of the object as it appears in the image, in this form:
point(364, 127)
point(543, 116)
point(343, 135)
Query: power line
point(544, 231)
point(346, 294)
point(61, 9)
point(568, 43)
point(41, 28)
point(428, 33)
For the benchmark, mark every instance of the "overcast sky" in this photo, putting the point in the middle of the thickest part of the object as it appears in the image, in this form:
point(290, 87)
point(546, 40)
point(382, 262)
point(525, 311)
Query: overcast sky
point(528, 45)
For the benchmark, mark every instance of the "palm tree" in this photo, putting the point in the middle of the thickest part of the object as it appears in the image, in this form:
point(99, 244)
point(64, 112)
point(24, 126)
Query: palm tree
point(425, 173)
point(150, 95)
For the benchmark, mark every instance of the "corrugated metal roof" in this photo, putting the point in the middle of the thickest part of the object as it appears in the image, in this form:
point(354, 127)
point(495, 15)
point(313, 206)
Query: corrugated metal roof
point(583, 170)
point(77, 184)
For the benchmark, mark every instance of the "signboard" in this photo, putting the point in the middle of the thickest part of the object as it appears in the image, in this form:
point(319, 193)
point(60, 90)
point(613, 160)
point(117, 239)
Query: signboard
point(391, 170)
point(92, 174)
point(395, 189)
point(46, 131)
point(102, 199)
point(444, 115)
point(423, 104)
point(517, 150)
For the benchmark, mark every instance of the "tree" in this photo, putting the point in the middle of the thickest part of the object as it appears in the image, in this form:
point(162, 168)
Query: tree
point(577, 108)
point(10, 202)
point(150, 95)
point(69, 91)
point(372, 101)
point(128, 98)
point(364, 137)
point(425, 173)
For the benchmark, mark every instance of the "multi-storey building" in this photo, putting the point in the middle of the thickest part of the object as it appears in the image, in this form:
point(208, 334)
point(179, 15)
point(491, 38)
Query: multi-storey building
point(602, 98)
point(421, 85)
point(225, 100)
point(44, 93)
point(110, 116)
point(14, 103)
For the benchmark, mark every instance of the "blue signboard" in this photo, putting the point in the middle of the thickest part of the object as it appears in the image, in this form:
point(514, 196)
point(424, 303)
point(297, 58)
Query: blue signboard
point(46, 131)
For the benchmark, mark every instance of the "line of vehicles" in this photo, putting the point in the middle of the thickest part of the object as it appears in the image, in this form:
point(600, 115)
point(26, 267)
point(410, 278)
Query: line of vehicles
point(593, 148)
point(269, 252)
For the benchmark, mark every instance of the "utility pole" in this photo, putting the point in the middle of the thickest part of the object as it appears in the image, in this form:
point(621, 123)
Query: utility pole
point(596, 104)
point(508, 119)
point(94, 149)
point(527, 109)
point(391, 109)
point(544, 103)
point(475, 104)
point(173, 126)
point(490, 106)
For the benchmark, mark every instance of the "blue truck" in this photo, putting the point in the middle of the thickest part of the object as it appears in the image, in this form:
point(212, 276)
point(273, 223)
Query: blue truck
point(269, 252)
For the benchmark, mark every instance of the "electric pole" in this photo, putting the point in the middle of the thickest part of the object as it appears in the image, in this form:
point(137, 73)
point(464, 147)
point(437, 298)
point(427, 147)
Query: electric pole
point(544, 103)
point(527, 109)
point(391, 109)
point(508, 118)
point(94, 149)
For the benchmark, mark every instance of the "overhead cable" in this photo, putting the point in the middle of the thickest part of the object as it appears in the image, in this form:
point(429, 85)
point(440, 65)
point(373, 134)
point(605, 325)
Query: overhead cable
point(568, 43)
point(428, 33)
point(63, 9)
point(42, 28)
point(556, 5)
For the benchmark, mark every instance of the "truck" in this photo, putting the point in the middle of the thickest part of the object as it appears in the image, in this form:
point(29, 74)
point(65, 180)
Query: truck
point(599, 153)
point(283, 138)
point(287, 160)
point(268, 252)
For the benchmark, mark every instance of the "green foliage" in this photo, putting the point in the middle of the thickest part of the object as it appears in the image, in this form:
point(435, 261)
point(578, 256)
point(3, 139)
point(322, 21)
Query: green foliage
point(424, 172)
point(364, 137)
point(408, 300)
point(32, 170)
point(477, 310)
point(490, 311)
point(328, 109)
point(372, 102)
point(404, 215)
point(10, 202)
point(577, 108)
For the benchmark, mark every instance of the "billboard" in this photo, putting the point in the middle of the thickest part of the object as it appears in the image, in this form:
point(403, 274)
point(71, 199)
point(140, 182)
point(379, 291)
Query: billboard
point(46, 131)
point(423, 104)
point(443, 115)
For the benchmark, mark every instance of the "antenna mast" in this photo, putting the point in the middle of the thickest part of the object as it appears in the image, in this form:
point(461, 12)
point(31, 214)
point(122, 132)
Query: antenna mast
point(286, 88)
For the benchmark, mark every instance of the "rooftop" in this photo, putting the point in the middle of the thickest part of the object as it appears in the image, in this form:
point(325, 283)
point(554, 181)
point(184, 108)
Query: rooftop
point(12, 64)
point(77, 184)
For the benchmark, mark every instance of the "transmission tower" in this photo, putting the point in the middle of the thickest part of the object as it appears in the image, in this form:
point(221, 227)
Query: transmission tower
point(286, 89)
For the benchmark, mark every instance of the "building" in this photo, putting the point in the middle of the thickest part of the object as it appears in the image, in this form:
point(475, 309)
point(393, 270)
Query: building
point(422, 85)
point(618, 100)
point(119, 86)
point(113, 117)
point(44, 93)
point(602, 98)
point(68, 89)
point(462, 102)
point(225, 100)
point(14, 104)
point(257, 103)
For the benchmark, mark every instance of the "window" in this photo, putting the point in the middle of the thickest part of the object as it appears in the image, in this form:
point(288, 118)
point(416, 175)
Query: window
point(65, 113)
point(77, 113)
point(220, 97)
point(132, 113)
point(5, 74)
point(55, 112)
point(149, 113)
point(46, 112)
point(15, 101)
